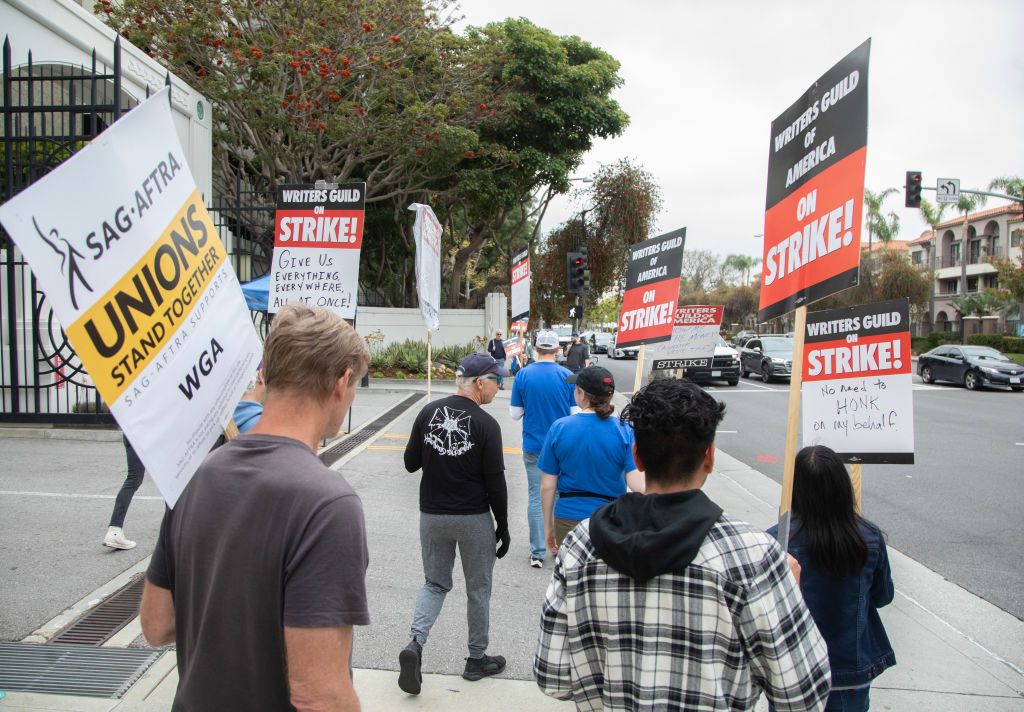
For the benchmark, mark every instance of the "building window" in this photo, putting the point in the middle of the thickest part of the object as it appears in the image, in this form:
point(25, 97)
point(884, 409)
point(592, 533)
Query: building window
point(972, 284)
point(996, 250)
point(1015, 238)
point(916, 257)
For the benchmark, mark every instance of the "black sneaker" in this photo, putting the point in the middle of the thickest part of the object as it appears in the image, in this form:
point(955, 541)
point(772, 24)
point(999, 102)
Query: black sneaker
point(536, 563)
point(479, 668)
point(410, 678)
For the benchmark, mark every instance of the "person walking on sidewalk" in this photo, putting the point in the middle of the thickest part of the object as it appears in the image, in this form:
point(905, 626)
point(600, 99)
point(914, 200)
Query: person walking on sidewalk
point(577, 357)
point(458, 446)
point(662, 601)
point(540, 396)
point(115, 538)
point(587, 457)
point(845, 575)
point(259, 571)
point(496, 348)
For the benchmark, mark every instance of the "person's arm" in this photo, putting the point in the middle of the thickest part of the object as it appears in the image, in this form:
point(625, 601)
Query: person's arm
point(552, 668)
point(156, 613)
point(586, 355)
point(636, 481)
point(882, 588)
point(516, 407)
point(414, 448)
point(318, 668)
point(788, 657)
point(494, 482)
point(548, 487)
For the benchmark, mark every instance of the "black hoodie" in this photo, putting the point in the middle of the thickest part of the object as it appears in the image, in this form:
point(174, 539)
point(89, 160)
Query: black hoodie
point(643, 536)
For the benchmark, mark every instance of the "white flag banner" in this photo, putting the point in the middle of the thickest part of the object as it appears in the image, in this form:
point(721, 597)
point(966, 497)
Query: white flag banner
point(126, 253)
point(427, 232)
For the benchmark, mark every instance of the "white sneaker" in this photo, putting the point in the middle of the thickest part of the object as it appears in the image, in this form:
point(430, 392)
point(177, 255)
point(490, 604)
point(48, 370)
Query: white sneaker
point(115, 539)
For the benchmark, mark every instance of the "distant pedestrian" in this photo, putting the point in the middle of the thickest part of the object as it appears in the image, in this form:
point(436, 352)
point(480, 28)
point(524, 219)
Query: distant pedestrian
point(845, 575)
point(577, 357)
point(540, 396)
point(496, 348)
point(662, 601)
point(587, 457)
point(259, 572)
point(458, 446)
point(115, 538)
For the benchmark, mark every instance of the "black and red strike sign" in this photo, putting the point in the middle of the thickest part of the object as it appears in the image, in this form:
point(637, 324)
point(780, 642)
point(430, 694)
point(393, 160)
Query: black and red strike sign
point(815, 193)
point(307, 216)
point(652, 290)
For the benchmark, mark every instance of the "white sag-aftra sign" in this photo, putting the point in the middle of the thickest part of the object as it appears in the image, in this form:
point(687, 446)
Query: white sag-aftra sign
point(427, 233)
point(125, 251)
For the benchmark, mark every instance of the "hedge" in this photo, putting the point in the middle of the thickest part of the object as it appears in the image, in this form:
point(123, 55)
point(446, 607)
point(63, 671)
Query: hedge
point(1006, 344)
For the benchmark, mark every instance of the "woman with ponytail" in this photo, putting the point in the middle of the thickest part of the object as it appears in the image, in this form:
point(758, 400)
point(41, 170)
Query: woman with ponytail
point(587, 458)
point(845, 576)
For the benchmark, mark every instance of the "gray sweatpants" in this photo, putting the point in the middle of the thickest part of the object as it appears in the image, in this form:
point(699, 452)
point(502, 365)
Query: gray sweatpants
point(439, 535)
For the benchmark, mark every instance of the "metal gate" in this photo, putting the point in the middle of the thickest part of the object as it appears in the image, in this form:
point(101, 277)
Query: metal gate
point(50, 111)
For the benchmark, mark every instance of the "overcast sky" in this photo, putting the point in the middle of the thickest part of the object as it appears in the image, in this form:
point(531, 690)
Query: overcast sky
point(704, 80)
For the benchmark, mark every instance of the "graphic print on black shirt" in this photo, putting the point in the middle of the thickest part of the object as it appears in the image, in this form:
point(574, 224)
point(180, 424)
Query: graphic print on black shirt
point(448, 432)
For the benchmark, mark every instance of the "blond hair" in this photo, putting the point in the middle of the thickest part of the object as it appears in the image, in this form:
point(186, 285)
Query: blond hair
point(309, 349)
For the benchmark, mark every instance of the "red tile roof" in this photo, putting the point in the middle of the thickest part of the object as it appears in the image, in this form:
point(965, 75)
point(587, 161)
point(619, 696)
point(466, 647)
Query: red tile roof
point(982, 214)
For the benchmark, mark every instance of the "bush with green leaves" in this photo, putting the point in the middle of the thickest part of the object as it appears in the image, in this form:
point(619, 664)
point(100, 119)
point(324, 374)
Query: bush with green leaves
point(411, 356)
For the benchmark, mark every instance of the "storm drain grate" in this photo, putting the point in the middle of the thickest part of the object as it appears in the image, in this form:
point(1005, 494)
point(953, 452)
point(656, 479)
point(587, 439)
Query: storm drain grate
point(72, 669)
point(99, 624)
point(351, 442)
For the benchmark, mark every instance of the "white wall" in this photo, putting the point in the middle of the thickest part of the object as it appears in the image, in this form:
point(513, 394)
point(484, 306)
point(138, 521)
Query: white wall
point(458, 326)
point(61, 32)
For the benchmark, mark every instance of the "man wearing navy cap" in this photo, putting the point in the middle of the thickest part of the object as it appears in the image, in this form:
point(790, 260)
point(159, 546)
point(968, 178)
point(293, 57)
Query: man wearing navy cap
point(578, 356)
point(458, 446)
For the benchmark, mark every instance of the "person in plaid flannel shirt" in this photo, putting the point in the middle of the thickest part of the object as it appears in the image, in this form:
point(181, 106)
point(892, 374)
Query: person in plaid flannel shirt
point(660, 601)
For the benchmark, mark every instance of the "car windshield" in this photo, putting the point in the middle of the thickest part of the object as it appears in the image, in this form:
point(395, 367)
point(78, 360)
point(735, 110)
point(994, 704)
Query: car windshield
point(984, 352)
point(563, 330)
point(603, 338)
point(721, 342)
point(777, 345)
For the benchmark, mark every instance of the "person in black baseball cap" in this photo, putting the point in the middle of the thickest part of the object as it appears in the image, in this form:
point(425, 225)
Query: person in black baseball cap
point(587, 458)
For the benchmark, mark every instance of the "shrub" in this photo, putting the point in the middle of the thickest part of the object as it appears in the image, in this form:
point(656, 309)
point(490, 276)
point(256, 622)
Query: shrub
point(995, 341)
point(919, 344)
point(1013, 344)
point(937, 338)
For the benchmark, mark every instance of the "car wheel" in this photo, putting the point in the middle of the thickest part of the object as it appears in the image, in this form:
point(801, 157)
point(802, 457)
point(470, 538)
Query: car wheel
point(734, 383)
point(766, 372)
point(1017, 389)
point(926, 374)
point(744, 373)
point(971, 381)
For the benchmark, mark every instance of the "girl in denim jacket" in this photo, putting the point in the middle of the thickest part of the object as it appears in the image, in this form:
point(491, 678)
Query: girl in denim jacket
point(845, 576)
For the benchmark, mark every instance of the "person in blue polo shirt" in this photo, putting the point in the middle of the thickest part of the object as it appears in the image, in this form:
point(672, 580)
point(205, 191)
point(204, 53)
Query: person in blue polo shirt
point(540, 396)
point(587, 457)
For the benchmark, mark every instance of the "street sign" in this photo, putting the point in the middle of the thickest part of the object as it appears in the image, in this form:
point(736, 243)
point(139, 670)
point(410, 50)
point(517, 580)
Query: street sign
point(947, 190)
point(575, 312)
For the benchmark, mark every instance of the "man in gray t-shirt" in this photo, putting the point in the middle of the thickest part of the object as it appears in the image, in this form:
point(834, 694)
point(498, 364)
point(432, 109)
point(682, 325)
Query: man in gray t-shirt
point(259, 571)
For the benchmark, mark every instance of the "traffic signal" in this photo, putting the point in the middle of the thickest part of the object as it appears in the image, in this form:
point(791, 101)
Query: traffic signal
point(913, 189)
point(583, 268)
point(577, 268)
point(571, 259)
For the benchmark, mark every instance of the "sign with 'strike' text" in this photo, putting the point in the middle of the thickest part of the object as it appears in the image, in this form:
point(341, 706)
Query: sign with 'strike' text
point(652, 290)
point(318, 234)
point(694, 335)
point(126, 253)
point(815, 196)
point(857, 390)
point(521, 281)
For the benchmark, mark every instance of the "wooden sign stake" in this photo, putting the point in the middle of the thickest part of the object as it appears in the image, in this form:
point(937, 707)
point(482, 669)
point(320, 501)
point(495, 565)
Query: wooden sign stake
point(639, 369)
point(792, 426)
point(855, 479)
point(430, 360)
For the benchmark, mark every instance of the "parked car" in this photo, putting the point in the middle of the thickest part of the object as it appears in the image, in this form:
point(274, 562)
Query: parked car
point(743, 337)
point(973, 366)
point(725, 366)
point(628, 352)
point(770, 355)
point(601, 341)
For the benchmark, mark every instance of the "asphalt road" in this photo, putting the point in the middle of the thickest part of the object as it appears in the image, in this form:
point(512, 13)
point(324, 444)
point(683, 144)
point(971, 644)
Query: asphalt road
point(957, 510)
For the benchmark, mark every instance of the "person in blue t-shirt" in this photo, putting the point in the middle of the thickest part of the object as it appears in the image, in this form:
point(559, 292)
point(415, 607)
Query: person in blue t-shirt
point(587, 457)
point(540, 396)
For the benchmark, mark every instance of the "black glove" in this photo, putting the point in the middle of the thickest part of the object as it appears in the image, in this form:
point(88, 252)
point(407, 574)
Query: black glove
point(501, 534)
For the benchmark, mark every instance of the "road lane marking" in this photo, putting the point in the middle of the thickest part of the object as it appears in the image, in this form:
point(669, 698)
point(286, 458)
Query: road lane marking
point(768, 388)
point(727, 431)
point(74, 495)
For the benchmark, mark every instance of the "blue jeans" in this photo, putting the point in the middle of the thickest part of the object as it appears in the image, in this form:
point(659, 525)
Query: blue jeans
point(501, 379)
point(534, 513)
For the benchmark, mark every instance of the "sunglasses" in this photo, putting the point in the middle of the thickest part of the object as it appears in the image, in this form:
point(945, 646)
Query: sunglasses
point(488, 378)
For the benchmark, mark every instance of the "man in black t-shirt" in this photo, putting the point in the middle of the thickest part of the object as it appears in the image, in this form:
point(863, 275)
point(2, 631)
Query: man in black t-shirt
point(496, 348)
point(458, 446)
point(259, 571)
point(578, 356)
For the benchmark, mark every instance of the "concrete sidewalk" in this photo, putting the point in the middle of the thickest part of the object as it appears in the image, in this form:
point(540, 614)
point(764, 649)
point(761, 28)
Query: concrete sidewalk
point(955, 651)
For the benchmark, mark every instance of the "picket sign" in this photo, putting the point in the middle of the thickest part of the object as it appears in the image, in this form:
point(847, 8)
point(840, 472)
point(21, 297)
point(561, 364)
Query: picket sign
point(792, 427)
point(855, 476)
point(638, 380)
point(430, 360)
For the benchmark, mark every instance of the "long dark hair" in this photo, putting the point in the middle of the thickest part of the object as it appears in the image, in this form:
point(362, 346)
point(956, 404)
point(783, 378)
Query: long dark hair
point(823, 501)
point(601, 405)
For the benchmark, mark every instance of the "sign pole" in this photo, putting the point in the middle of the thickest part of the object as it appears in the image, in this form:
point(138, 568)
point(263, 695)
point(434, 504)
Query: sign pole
point(430, 359)
point(638, 380)
point(230, 430)
point(855, 475)
point(792, 426)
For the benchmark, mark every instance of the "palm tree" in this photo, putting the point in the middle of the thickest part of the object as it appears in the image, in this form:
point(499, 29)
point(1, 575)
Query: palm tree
point(742, 264)
point(1011, 185)
point(886, 227)
point(932, 215)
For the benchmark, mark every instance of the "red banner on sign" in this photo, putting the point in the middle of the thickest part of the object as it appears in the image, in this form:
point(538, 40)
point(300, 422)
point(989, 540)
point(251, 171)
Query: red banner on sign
point(699, 315)
point(329, 229)
point(871, 356)
point(648, 313)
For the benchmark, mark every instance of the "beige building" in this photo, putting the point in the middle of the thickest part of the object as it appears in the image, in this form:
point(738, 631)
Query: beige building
point(996, 233)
